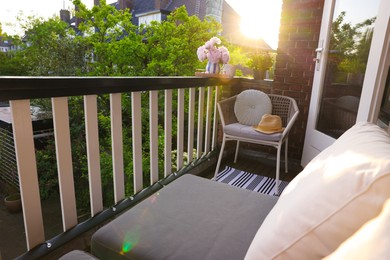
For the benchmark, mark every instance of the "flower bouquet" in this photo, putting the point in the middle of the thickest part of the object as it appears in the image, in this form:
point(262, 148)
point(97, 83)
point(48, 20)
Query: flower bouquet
point(214, 54)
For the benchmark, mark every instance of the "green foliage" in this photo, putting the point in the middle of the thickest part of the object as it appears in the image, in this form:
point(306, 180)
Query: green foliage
point(237, 56)
point(47, 171)
point(12, 63)
point(350, 44)
point(172, 44)
point(114, 41)
point(109, 45)
point(51, 48)
point(260, 60)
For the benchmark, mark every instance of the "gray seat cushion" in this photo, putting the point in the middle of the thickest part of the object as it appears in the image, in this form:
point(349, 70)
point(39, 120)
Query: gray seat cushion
point(77, 255)
point(245, 131)
point(191, 218)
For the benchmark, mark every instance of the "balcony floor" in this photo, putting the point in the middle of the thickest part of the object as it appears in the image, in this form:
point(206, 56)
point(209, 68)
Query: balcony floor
point(13, 244)
point(261, 163)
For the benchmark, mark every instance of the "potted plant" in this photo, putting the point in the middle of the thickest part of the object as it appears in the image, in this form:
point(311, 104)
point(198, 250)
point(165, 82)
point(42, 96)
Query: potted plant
point(260, 62)
point(13, 203)
point(214, 54)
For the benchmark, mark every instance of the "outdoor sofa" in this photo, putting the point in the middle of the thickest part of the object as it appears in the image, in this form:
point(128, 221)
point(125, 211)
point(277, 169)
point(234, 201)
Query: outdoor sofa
point(335, 208)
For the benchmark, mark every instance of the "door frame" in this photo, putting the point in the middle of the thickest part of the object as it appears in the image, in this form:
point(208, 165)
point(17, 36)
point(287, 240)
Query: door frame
point(377, 67)
point(373, 85)
point(311, 136)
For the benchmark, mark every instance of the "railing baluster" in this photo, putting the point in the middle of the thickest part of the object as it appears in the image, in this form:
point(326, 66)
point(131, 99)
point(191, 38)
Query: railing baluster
point(199, 148)
point(137, 140)
point(180, 128)
point(64, 161)
point(215, 124)
point(168, 133)
point(153, 133)
point(27, 172)
point(191, 123)
point(42, 87)
point(93, 153)
point(117, 146)
point(208, 120)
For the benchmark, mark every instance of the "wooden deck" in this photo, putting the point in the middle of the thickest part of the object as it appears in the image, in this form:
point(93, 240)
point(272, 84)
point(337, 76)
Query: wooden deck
point(260, 163)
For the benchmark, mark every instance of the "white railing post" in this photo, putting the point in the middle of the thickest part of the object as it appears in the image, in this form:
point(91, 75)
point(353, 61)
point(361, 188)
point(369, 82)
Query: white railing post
point(168, 133)
point(64, 161)
point(199, 148)
point(93, 153)
point(153, 135)
point(117, 146)
point(191, 124)
point(137, 140)
point(215, 120)
point(208, 120)
point(180, 129)
point(27, 172)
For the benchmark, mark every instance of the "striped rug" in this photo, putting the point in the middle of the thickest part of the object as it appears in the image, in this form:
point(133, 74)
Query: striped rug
point(249, 181)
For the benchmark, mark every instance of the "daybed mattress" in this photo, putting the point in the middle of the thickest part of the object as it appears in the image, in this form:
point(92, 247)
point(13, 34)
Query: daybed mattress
point(191, 218)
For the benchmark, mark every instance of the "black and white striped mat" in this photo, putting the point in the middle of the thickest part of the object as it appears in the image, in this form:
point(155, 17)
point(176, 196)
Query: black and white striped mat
point(249, 181)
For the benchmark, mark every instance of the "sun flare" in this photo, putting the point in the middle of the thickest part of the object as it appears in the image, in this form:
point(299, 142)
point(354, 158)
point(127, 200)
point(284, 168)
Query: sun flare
point(260, 19)
point(251, 28)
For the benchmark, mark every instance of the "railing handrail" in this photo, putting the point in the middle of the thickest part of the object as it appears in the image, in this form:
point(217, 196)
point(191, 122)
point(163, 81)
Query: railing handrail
point(17, 88)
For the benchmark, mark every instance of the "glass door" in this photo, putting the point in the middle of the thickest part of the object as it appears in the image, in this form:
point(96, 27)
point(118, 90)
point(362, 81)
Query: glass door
point(345, 40)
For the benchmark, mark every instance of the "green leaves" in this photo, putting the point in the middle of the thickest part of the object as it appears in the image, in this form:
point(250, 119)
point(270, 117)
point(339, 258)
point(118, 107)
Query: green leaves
point(172, 44)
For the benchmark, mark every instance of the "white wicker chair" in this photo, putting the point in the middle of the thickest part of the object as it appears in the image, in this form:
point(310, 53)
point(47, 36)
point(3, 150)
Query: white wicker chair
point(283, 106)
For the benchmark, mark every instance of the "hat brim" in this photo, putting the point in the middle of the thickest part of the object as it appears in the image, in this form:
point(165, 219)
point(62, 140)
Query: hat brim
point(259, 129)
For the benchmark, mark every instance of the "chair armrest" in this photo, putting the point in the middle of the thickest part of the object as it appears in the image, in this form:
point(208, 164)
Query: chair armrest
point(293, 115)
point(226, 111)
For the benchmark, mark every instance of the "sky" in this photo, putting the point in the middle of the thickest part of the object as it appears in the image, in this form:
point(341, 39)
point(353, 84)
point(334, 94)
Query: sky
point(260, 18)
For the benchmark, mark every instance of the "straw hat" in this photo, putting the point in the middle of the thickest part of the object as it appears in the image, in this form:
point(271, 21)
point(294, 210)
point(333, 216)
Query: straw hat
point(269, 124)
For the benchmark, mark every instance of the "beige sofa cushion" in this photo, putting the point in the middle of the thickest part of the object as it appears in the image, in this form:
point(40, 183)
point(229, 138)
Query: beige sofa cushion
point(339, 190)
point(372, 241)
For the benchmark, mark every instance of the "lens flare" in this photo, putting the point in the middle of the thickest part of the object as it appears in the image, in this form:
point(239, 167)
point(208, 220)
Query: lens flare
point(130, 241)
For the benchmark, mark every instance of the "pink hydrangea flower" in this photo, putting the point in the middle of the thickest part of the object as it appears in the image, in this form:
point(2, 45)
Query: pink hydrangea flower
point(202, 55)
point(225, 55)
point(212, 53)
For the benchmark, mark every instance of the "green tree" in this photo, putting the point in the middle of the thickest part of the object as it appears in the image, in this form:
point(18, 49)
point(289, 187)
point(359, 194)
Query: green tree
point(52, 48)
point(112, 39)
point(12, 62)
point(350, 43)
point(172, 44)
point(109, 45)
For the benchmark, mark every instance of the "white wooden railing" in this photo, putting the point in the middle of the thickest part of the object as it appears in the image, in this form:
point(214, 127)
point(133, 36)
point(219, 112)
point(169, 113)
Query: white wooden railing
point(19, 91)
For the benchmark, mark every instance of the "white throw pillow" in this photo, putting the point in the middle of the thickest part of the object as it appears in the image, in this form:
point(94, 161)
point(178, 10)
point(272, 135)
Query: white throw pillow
point(372, 241)
point(251, 105)
point(338, 191)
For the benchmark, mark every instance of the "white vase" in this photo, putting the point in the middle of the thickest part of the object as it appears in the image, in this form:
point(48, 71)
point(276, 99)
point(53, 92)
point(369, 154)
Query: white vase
point(229, 70)
point(213, 68)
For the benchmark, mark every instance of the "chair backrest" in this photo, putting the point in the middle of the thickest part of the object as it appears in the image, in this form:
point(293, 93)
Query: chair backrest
point(285, 107)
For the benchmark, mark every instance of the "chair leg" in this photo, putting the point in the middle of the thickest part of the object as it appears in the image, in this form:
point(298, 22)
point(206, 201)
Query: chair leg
point(285, 156)
point(237, 148)
point(277, 170)
point(220, 157)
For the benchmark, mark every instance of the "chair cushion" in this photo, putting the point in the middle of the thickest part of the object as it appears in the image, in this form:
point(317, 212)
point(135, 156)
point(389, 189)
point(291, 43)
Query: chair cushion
point(77, 255)
point(338, 191)
point(190, 218)
point(251, 105)
point(245, 131)
point(369, 242)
